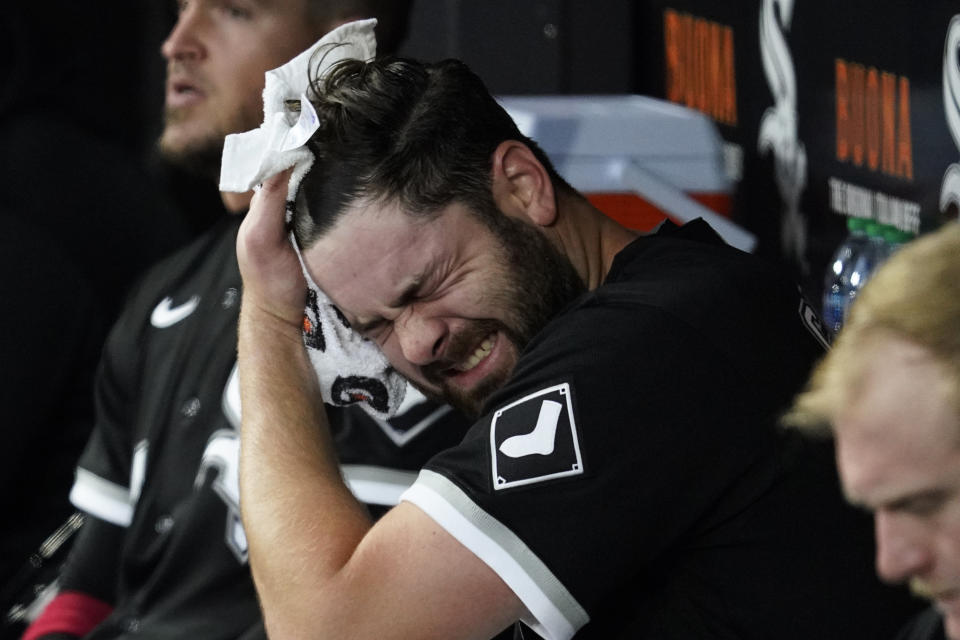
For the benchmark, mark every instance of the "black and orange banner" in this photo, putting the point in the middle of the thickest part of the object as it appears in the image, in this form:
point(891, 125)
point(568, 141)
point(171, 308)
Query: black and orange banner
point(828, 109)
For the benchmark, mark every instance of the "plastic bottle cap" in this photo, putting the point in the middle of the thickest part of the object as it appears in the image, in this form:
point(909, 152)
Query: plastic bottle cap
point(856, 224)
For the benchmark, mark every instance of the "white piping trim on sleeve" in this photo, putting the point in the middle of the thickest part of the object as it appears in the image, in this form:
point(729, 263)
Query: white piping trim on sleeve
point(102, 498)
point(556, 615)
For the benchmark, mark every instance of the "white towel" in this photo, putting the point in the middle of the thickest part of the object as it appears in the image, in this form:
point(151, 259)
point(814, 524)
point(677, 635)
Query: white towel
point(349, 368)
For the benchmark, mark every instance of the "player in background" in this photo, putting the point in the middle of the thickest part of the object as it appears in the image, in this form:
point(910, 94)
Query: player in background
point(163, 553)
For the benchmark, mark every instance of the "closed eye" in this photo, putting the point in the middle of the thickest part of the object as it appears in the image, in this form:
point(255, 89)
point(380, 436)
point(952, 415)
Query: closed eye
point(377, 329)
point(368, 326)
point(922, 504)
point(236, 10)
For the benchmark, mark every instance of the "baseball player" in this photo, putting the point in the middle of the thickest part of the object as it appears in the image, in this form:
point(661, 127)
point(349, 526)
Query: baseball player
point(625, 476)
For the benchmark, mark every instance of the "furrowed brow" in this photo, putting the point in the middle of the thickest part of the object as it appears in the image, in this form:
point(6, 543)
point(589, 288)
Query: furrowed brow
point(408, 294)
point(406, 297)
point(920, 502)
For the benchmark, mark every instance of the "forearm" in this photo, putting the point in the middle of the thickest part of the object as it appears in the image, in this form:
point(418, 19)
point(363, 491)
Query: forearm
point(302, 523)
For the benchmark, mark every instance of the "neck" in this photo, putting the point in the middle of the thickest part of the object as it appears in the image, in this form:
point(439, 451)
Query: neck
point(589, 238)
point(236, 202)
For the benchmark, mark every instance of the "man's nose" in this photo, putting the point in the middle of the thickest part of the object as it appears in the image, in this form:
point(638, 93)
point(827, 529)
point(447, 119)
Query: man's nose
point(420, 337)
point(903, 547)
point(184, 41)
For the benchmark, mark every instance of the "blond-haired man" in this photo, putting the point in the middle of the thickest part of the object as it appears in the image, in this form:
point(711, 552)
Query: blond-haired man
point(888, 391)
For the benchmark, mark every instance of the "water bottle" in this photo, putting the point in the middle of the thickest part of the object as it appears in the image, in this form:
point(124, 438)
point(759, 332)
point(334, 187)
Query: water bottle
point(836, 285)
point(866, 262)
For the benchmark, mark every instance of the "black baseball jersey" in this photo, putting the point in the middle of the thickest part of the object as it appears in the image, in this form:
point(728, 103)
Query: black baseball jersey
point(162, 461)
point(630, 480)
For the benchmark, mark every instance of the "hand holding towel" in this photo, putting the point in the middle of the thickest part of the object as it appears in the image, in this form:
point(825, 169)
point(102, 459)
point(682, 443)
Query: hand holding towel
point(349, 367)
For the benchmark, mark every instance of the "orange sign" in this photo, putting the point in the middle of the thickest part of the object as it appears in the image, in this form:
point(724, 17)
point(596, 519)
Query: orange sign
point(873, 119)
point(699, 59)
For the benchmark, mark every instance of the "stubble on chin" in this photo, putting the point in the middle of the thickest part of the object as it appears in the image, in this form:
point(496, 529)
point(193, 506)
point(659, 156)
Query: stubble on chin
point(199, 154)
point(472, 403)
point(469, 404)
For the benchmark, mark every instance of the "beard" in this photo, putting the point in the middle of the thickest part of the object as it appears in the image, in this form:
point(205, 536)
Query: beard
point(536, 282)
point(540, 281)
point(461, 346)
point(200, 155)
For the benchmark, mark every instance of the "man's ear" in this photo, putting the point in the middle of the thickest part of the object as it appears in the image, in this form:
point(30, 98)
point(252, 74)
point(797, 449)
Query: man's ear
point(521, 184)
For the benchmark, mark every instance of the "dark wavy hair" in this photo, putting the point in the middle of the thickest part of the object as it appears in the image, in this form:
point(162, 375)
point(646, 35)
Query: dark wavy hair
point(398, 130)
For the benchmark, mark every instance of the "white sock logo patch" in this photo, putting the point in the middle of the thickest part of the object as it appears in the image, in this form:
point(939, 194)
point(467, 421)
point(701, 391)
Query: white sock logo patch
point(535, 439)
point(541, 439)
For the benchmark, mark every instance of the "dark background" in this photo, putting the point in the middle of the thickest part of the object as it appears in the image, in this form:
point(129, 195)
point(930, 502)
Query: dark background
point(113, 82)
point(618, 46)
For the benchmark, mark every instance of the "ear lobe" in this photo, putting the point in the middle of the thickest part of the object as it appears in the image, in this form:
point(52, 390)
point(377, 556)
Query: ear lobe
point(521, 185)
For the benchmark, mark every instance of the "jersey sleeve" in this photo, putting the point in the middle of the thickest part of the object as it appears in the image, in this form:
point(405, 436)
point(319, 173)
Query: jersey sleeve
point(612, 443)
point(104, 486)
point(91, 567)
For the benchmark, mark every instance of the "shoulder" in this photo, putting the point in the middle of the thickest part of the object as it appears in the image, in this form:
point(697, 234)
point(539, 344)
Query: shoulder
point(689, 270)
point(173, 289)
point(206, 258)
point(682, 303)
point(214, 248)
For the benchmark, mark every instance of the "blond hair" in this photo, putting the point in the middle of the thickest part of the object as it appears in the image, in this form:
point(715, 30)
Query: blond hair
point(914, 296)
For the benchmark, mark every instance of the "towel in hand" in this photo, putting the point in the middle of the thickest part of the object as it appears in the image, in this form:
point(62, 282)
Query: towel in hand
point(349, 367)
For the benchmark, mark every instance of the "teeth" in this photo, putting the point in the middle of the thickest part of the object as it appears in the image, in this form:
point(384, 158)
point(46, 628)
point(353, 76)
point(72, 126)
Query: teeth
point(482, 352)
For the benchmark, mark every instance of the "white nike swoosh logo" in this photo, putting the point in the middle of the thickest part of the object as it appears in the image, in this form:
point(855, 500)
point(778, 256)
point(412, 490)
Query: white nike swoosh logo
point(164, 315)
point(541, 439)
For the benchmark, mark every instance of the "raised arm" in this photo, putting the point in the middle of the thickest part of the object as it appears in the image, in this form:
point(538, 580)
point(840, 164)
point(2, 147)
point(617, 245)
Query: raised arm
point(320, 566)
